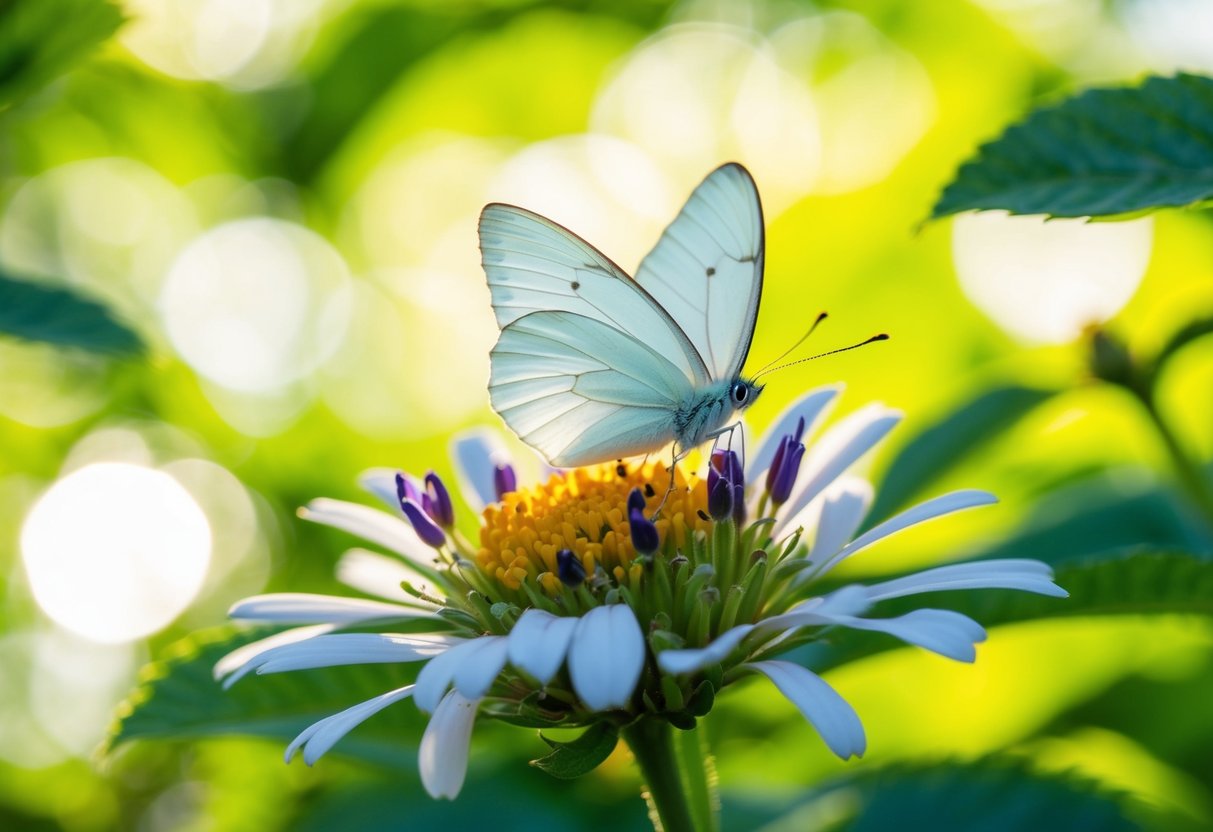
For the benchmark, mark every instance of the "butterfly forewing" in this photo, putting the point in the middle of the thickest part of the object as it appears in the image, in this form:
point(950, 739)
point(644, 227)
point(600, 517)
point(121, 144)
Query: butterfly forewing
point(706, 270)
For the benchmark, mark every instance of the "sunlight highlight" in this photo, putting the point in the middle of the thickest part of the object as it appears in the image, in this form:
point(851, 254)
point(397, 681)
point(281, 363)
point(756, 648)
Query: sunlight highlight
point(115, 552)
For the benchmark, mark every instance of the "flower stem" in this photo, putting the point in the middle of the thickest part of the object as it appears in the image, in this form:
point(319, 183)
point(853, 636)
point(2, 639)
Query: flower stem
point(1191, 477)
point(651, 741)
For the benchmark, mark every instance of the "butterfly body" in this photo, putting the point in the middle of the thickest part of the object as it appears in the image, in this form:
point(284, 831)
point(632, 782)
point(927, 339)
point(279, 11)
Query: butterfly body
point(592, 364)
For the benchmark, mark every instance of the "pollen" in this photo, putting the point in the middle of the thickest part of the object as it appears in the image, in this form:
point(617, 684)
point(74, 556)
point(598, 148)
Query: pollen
point(585, 510)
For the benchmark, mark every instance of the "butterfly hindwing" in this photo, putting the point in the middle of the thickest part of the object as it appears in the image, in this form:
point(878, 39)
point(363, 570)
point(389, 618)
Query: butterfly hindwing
point(578, 390)
point(706, 270)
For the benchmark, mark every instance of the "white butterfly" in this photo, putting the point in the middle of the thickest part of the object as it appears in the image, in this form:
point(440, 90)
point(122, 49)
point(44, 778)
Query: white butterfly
point(593, 365)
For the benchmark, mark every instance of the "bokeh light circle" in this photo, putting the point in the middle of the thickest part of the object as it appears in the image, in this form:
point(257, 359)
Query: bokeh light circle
point(256, 304)
point(114, 551)
point(1044, 281)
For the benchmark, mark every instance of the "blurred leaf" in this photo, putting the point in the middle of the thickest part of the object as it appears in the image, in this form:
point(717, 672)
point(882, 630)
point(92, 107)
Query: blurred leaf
point(1103, 152)
point(990, 795)
point(178, 697)
point(1104, 517)
point(41, 41)
point(60, 316)
point(1190, 332)
point(934, 451)
point(1147, 582)
point(570, 760)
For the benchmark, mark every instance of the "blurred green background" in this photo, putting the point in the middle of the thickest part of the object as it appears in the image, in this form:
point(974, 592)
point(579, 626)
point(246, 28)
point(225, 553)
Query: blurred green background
point(279, 197)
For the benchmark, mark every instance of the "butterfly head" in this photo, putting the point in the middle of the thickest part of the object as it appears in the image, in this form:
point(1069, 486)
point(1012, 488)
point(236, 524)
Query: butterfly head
point(743, 393)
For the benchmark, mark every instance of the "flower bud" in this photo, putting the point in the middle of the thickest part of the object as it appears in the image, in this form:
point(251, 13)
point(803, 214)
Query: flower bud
point(569, 568)
point(437, 501)
point(644, 533)
point(504, 480)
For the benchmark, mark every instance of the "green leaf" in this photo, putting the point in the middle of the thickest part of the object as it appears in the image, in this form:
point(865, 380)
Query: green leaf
point(934, 451)
point(1101, 153)
point(41, 41)
point(570, 760)
point(60, 316)
point(1146, 582)
point(990, 795)
point(178, 698)
point(1188, 333)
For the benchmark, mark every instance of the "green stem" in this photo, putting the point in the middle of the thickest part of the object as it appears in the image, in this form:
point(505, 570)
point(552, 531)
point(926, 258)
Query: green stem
point(652, 744)
point(1191, 477)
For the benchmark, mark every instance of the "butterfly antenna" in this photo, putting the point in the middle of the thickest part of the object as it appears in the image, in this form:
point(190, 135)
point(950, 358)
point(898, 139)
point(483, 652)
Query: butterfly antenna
point(821, 317)
point(881, 337)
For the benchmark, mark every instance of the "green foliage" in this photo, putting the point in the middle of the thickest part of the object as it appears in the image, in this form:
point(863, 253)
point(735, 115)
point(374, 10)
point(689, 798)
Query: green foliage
point(570, 760)
point(41, 41)
point(1185, 335)
point(60, 316)
point(937, 449)
point(179, 698)
point(991, 795)
point(1142, 583)
point(1100, 153)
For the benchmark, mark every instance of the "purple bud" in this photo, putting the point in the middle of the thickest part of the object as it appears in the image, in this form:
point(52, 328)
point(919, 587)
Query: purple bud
point(438, 501)
point(504, 480)
point(785, 477)
point(423, 525)
point(777, 462)
point(569, 568)
point(720, 497)
point(799, 437)
point(405, 490)
point(644, 533)
point(635, 500)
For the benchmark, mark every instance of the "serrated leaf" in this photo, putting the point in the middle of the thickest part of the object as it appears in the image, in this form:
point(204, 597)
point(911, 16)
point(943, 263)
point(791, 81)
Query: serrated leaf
point(570, 760)
point(941, 446)
point(60, 316)
point(40, 41)
point(1101, 153)
point(178, 698)
point(991, 795)
point(1124, 585)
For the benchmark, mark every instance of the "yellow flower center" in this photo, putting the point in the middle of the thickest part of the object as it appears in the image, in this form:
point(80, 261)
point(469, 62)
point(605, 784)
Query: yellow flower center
point(584, 510)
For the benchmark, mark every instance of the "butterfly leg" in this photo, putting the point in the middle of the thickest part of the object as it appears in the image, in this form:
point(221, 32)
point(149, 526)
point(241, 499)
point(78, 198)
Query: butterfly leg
point(677, 457)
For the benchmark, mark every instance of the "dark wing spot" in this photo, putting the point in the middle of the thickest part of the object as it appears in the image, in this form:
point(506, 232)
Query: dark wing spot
point(711, 270)
point(575, 285)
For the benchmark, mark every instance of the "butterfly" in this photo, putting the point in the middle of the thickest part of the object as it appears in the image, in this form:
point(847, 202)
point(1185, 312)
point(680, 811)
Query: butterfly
point(593, 365)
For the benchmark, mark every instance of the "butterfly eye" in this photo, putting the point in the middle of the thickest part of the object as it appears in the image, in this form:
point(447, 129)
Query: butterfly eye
point(740, 392)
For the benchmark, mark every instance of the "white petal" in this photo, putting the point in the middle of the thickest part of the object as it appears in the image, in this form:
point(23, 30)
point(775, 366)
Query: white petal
point(382, 483)
point(935, 507)
point(691, 660)
point(945, 632)
point(813, 406)
point(319, 737)
point(443, 756)
point(1021, 574)
point(836, 514)
point(441, 671)
point(377, 574)
point(479, 668)
point(606, 657)
point(821, 705)
point(837, 450)
point(539, 643)
point(825, 610)
point(371, 524)
point(341, 649)
point(477, 453)
point(237, 660)
point(306, 608)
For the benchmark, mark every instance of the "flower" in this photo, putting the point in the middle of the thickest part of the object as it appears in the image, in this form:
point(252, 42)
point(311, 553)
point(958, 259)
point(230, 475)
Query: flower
point(581, 602)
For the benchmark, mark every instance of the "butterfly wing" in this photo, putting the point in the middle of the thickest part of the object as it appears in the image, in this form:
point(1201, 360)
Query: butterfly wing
point(588, 367)
point(580, 391)
point(706, 270)
point(535, 265)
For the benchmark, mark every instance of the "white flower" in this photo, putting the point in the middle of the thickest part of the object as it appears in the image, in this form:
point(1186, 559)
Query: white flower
point(565, 595)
